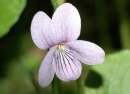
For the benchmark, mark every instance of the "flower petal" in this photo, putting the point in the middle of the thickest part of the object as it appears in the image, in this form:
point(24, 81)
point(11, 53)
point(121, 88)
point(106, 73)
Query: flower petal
point(67, 22)
point(43, 31)
point(46, 71)
point(67, 67)
point(89, 53)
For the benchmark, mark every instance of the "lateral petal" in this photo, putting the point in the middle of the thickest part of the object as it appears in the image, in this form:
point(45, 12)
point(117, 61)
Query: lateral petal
point(46, 71)
point(89, 53)
point(67, 67)
point(67, 22)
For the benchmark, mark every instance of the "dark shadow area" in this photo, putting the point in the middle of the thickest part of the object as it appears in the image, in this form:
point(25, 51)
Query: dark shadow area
point(94, 80)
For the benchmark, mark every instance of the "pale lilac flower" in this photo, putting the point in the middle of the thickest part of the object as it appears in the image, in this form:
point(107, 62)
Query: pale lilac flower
point(59, 35)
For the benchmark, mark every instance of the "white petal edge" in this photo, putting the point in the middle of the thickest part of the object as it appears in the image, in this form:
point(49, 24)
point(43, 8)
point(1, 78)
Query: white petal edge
point(67, 22)
point(67, 67)
point(46, 71)
point(42, 31)
point(89, 53)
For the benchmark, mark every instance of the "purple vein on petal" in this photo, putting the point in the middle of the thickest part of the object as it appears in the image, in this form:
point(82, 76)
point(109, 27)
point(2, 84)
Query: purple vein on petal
point(58, 65)
point(66, 66)
point(70, 57)
point(69, 62)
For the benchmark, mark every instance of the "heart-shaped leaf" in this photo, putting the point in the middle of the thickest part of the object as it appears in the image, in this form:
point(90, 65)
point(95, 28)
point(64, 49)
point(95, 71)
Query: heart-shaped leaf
point(115, 73)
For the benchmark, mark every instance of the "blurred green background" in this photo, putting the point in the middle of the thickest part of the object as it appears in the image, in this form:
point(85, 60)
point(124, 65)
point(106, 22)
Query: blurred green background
point(106, 23)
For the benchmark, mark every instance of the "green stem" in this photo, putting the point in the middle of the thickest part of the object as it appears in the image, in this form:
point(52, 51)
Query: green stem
point(55, 4)
point(124, 24)
point(80, 86)
point(125, 34)
point(55, 85)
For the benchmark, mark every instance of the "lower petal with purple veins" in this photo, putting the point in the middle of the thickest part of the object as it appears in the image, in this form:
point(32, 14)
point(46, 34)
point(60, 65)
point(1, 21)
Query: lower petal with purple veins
point(66, 66)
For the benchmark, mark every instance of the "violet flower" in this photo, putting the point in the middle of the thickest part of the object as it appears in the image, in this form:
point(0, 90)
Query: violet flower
point(59, 35)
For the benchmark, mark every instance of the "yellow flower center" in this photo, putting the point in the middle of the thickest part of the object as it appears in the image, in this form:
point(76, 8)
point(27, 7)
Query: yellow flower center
point(60, 47)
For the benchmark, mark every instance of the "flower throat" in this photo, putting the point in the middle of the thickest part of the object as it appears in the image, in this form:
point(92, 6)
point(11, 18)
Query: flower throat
point(60, 47)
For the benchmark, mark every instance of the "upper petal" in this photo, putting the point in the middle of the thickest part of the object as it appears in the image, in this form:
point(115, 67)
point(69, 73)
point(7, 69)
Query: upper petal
point(67, 67)
point(43, 31)
point(46, 71)
point(89, 53)
point(67, 22)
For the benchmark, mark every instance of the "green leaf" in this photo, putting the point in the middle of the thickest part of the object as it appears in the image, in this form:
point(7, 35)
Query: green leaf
point(10, 11)
point(115, 72)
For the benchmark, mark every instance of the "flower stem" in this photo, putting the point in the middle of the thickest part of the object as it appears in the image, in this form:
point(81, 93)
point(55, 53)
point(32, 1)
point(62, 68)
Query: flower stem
point(55, 85)
point(57, 3)
point(124, 23)
point(80, 86)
